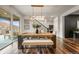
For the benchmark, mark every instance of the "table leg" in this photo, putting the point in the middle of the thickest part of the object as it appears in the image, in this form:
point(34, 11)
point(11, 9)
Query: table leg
point(23, 49)
point(74, 36)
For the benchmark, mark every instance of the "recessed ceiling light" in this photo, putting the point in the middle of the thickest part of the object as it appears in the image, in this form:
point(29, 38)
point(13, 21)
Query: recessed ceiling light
point(51, 16)
point(5, 13)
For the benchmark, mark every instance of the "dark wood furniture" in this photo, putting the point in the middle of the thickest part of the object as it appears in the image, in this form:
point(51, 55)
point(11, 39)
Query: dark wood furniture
point(43, 35)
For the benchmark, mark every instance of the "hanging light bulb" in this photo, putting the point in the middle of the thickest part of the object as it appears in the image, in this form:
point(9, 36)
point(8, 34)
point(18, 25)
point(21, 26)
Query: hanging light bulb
point(41, 12)
point(35, 6)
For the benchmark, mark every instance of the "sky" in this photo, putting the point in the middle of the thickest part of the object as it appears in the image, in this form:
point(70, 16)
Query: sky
point(16, 23)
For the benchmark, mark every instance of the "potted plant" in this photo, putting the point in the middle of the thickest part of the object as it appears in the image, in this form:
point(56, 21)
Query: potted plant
point(36, 26)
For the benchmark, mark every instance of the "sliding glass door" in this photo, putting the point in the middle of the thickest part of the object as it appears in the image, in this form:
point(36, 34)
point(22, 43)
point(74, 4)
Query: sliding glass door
point(15, 26)
point(4, 24)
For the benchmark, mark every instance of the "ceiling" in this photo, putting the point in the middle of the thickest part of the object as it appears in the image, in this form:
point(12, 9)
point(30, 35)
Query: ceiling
point(76, 12)
point(6, 14)
point(47, 10)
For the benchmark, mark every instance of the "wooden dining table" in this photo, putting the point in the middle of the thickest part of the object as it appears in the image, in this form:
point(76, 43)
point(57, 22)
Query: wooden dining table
point(37, 35)
point(50, 36)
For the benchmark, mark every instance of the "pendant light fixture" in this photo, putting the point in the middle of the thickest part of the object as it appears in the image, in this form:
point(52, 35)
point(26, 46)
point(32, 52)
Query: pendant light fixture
point(37, 6)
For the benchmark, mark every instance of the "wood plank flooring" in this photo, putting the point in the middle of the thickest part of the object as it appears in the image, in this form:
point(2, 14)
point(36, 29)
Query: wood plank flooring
point(67, 46)
point(63, 46)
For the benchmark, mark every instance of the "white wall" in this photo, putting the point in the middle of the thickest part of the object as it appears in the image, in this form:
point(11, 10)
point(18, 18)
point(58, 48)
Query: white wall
point(61, 26)
point(46, 23)
point(78, 24)
point(55, 23)
point(30, 23)
point(58, 23)
point(21, 24)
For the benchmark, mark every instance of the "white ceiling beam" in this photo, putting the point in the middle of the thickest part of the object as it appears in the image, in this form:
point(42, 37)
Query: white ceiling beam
point(71, 11)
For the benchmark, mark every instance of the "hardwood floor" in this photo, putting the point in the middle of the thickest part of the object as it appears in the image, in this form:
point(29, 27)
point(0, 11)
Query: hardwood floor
point(69, 46)
point(63, 46)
